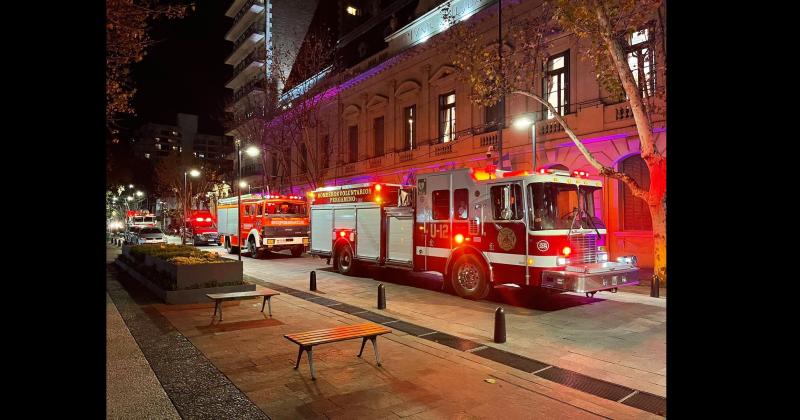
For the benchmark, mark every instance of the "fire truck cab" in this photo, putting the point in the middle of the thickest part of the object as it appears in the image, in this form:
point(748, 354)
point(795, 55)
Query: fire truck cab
point(479, 228)
point(269, 222)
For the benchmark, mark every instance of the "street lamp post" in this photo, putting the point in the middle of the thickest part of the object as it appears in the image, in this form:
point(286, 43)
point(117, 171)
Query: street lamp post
point(252, 151)
point(194, 173)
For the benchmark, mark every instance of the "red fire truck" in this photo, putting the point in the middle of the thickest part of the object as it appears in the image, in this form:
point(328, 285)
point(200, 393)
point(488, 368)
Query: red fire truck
point(477, 227)
point(200, 228)
point(269, 222)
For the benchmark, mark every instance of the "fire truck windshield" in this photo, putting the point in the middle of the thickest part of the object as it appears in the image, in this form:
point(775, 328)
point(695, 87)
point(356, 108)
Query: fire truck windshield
point(285, 208)
point(553, 206)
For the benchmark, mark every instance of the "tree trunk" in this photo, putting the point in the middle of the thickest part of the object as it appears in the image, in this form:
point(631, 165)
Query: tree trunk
point(658, 214)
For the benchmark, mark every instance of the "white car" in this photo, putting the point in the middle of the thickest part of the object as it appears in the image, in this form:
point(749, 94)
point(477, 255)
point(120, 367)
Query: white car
point(150, 235)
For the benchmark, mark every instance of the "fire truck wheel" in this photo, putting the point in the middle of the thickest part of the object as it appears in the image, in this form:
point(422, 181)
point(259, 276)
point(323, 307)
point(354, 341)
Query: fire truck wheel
point(344, 260)
point(469, 279)
point(297, 251)
point(251, 246)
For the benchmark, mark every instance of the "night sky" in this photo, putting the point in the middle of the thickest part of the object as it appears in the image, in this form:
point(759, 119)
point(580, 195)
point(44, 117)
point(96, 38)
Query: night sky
point(186, 72)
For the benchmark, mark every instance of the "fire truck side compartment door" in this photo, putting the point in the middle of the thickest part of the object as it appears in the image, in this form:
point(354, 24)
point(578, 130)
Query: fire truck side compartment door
point(344, 218)
point(401, 233)
point(368, 229)
point(321, 228)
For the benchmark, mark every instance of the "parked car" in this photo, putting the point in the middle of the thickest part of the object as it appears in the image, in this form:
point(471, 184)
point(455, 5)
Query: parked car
point(129, 236)
point(206, 237)
point(149, 235)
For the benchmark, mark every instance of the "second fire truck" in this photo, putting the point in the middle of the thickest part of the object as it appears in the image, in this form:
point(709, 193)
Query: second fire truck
point(269, 223)
point(479, 228)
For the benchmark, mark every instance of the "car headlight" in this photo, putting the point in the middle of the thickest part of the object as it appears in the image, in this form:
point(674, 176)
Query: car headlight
point(602, 256)
point(628, 259)
point(562, 260)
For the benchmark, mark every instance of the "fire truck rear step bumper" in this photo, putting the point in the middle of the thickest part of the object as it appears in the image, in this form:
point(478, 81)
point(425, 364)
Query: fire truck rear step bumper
point(585, 282)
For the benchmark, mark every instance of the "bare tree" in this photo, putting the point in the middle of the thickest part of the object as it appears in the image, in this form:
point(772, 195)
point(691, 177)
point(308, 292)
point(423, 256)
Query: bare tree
point(604, 27)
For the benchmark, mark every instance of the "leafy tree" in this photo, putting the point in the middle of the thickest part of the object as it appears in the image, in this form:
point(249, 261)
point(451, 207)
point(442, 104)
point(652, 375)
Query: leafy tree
point(127, 40)
point(603, 28)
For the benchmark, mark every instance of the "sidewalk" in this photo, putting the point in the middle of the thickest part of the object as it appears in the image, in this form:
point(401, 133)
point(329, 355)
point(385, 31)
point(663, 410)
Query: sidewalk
point(616, 337)
point(418, 378)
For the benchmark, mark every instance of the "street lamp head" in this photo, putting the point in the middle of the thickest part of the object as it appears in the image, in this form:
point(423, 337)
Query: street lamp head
point(130, 186)
point(194, 173)
point(242, 184)
point(114, 198)
point(252, 151)
point(139, 193)
point(129, 198)
point(522, 122)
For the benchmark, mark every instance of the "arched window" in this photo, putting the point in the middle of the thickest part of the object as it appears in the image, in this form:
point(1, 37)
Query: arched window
point(635, 214)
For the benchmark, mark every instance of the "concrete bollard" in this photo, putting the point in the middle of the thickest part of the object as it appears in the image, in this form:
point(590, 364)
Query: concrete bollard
point(499, 325)
point(312, 281)
point(381, 296)
point(655, 285)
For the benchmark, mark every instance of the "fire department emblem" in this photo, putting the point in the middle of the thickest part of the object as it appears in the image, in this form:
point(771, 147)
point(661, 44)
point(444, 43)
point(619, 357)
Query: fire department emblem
point(506, 239)
point(543, 245)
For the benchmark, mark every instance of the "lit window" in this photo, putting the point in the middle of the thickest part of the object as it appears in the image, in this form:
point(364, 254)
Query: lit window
point(147, 155)
point(158, 147)
point(352, 11)
point(410, 122)
point(202, 155)
point(447, 117)
point(641, 60)
point(556, 83)
point(174, 147)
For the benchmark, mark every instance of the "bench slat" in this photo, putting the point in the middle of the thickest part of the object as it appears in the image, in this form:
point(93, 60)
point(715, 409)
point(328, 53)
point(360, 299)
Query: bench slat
point(231, 295)
point(339, 331)
point(337, 334)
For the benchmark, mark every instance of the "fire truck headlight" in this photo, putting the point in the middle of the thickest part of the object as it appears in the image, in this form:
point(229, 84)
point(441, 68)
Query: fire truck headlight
point(459, 238)
point(602, 256)
point(270, 242)
point(562, 260)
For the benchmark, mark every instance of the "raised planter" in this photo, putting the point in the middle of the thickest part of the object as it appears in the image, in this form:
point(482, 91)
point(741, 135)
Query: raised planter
point(191, 282)
point(174, 297)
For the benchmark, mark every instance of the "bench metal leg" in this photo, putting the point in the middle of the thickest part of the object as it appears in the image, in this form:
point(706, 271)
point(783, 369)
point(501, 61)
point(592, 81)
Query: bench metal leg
point(269, 305)
point(363, 341)
point(220, 310)
point(310, 352)
point(263, 303)
point(375, 347)
point(216, 306)
point(299, 355)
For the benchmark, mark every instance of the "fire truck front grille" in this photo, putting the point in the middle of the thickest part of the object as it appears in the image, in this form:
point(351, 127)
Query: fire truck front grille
point(584, 248)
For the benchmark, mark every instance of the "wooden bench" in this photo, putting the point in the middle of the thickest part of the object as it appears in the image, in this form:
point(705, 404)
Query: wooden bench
point(307, 340)
point(218, 298)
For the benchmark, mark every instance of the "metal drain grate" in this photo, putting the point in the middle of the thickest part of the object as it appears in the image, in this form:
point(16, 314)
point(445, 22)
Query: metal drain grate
point(648, 402)
point(586, 384)
point(452, 341)
point(348, 309)
point(510, 359)
point(412, 329)
point(372, 316)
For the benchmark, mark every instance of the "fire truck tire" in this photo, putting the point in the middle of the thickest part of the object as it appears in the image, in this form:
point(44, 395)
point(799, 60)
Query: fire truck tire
point(297, 251)
point(469, 279)
point(345, 262)
point(251, 246)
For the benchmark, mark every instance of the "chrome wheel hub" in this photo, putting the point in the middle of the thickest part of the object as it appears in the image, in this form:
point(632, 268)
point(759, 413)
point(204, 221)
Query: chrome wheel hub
point(468, 277)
